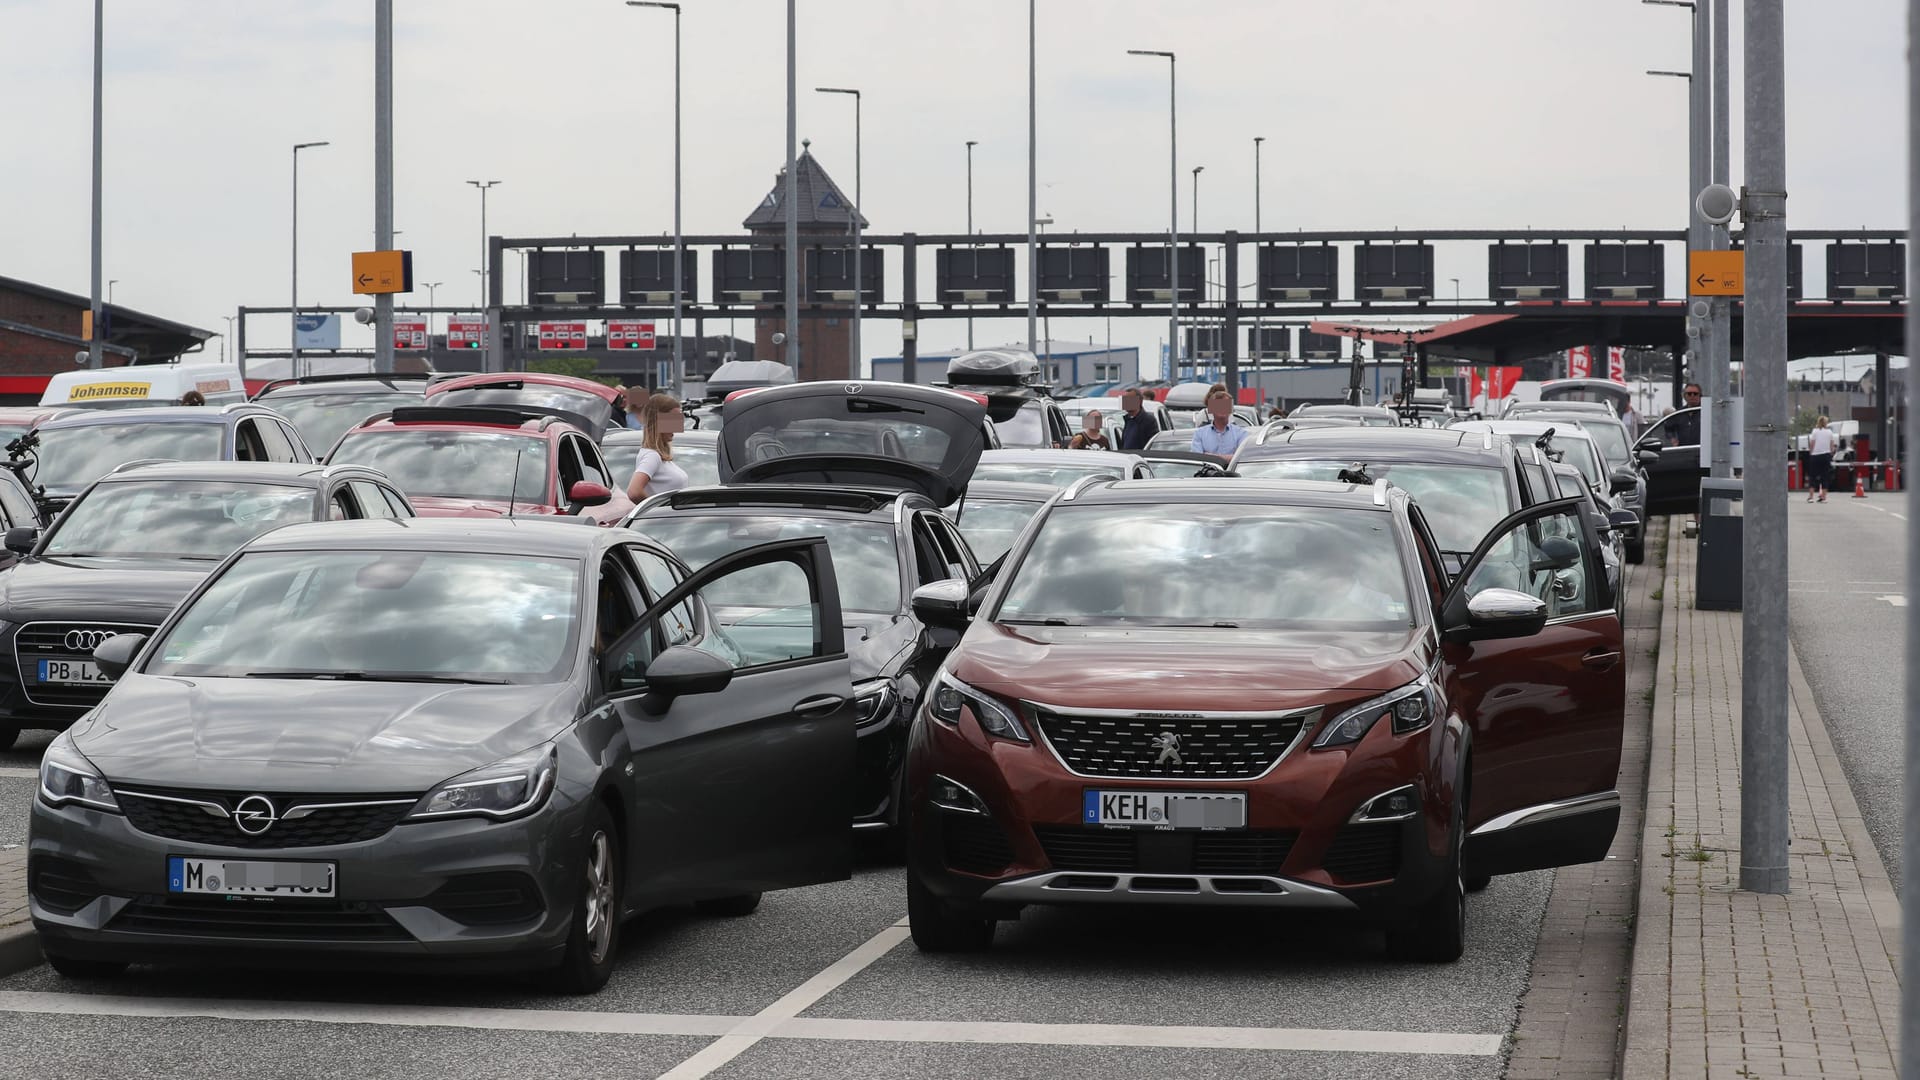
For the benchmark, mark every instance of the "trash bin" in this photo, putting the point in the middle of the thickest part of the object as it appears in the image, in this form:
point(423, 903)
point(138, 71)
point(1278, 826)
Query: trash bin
point(1717, 578)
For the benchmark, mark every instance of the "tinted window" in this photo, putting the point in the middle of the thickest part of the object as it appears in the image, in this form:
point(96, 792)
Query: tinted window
point(1612, 442)
point(1063, 474)
point(381, 613)
point(1461, 501)
point(322, 418)
point(274, 438)
point(1313, 567)
point(991, 525)
point(175, 518)
point(701, 460)
point(373, 503)
point(1520, 560)
point(453, 464)
point(865, 559)
point(74, 457)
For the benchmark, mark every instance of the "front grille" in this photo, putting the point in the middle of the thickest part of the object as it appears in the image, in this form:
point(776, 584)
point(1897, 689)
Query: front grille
point(322, 828)
point(49, 641)
point(488, 899)
point(1125, 851)
point(59, 884)
point(975, 844)
point(280, 920)
point(1364, 853)
point(1236, 746)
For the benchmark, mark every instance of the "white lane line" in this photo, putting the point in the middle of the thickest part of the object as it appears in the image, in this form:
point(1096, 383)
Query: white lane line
point(15, 772)
point(1194, 1038)
point(792, 1004)
point(1894, 516)
point(1896, 601)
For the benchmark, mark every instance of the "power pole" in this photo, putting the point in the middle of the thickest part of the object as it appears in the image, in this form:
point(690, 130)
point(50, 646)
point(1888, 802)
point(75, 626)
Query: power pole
point(1909, 871)
point(383, 173)
point(1719, 329)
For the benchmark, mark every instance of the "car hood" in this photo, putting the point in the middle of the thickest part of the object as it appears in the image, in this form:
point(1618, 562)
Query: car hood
point(122, 590)
point(1145, 668)
point(311, 736)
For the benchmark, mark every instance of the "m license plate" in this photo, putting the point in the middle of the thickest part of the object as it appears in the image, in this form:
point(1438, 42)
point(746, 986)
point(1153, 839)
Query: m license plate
point(1166, 809)
point(72, 671)
point(230, 877)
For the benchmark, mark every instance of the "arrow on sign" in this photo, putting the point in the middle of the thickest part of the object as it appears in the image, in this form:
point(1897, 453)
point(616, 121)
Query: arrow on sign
point(1703, 280)
point(366, 279)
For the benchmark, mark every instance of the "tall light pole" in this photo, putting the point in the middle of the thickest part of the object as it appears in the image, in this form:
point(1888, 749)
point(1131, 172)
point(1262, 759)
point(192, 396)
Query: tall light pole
point(483, 186)
point(1720, 309)
point(95, 353)
point(859, 282)
point(1910, 848)
point(1173, 203)
point(383, 174)
point(224, 337)
point(679, 248)
point(1033, 185)
point(971, 143)
point(1699, 168)
point(1259, 314)
point(293, 307)
point(1197, 170)
point(430, 286)
point(111, 282)
point(792, 196)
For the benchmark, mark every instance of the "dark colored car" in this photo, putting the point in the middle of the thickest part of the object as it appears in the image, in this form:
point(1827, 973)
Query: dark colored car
point(126, 551)
point(1365, 731)
point(488, 461)
point(1625, 463)
point(1367, 415)
point(590, 406)
point(1673, 479)
point(1061, 468)
point(78, 448)
point(867, 466)
point(470, 741)
point(1576, 446)
point(324, 407)
point(698, 452)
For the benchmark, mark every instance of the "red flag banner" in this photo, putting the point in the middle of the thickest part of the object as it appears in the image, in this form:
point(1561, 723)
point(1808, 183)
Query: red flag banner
point(1617, 363)
point(1579, 362)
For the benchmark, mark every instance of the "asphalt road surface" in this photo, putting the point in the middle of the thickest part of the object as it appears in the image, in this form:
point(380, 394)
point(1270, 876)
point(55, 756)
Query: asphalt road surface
point(1847, 589)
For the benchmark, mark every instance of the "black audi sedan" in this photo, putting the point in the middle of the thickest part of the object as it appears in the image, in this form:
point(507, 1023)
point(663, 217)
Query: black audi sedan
point(126, 551)
point(478, 742)
point(867, 466)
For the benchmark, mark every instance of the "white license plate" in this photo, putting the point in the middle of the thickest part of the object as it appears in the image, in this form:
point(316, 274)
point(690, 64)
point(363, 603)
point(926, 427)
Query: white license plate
point(233, 877)
point(71, 671)
point(1166, 809)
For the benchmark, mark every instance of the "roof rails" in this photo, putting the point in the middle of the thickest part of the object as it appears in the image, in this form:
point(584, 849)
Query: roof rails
point(1081, 485)
point(138, 462)
point(514, 415)
point(1380, 491)
point(762, 494)
point(347, 376)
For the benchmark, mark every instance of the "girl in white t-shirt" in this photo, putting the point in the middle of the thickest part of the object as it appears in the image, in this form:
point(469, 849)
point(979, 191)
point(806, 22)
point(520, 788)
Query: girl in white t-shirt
point(654, 472)
point(1820, 446)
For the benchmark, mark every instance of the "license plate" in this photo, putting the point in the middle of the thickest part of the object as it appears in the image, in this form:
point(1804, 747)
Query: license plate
point(1167, 809)
point(231, 877)
point(71, 671)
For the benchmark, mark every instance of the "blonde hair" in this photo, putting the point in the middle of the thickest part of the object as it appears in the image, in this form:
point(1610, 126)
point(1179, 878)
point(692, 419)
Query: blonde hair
point(651, 438)
point(1822, 422)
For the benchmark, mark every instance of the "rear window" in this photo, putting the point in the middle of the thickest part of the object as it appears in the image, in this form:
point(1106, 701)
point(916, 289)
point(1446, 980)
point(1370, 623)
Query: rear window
point(1461, 502)
point(73, 457)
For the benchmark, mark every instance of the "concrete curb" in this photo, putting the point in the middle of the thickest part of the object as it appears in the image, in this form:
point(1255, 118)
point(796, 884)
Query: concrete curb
point(19, 949)
point(1645, 1051)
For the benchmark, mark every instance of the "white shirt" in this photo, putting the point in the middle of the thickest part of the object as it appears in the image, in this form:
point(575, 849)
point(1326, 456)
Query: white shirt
point(1820, 441)
point(1207, 440)
point(662, 475)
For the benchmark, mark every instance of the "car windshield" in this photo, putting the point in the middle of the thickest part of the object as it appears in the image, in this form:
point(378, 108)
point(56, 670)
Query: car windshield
point(380, 614)
point(175, 519)
point(323, 418)
point(1315, 568)
point(1579, 454)
point(1460, 502)
point(990, 525)
point(865, 561)
point(533, 396)
point(700, 460)
point(70, 458)
point(1024, 426)
point(1612, 442)
point(1061, 474)
point(441, 463)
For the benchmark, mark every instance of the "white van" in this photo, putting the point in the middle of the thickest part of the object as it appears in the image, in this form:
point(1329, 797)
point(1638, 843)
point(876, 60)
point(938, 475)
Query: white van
point(143, 385)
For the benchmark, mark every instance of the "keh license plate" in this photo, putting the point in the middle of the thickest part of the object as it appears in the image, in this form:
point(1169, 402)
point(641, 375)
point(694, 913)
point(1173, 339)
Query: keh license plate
point(1166, 809)
point(230, 877)
point(71, 671)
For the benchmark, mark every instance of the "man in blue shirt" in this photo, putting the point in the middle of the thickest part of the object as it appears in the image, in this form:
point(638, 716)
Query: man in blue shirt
point(1219, 436)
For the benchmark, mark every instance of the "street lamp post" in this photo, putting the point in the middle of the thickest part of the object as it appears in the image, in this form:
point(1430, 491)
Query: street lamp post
point(679, 247)
point(1259, 314)
point(1197, 170)
point(224, 337)
point(971, 143)
point(1033, 185)
point(95, 353)
point(110, 284)
point(859, 282)
point(792, 195)
point(430, 287)
point(483, 186)
point(1699, 169)
point(1173, 203)
point(293, 309)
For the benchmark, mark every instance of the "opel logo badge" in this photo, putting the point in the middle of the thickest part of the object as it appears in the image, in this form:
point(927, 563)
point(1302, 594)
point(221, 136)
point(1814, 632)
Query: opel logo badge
point(88, 640)
point(254, 815)
point(853, 388)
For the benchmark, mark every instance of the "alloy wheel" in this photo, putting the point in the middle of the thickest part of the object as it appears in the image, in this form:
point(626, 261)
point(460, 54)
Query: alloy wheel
point(599, 897)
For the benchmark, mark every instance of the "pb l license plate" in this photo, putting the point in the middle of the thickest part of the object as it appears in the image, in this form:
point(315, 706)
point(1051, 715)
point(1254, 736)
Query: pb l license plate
point(74, 672)
point(1166, 809)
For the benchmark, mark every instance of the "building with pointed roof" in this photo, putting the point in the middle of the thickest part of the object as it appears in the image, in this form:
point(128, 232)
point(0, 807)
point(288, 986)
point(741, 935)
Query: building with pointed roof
point(823, 211)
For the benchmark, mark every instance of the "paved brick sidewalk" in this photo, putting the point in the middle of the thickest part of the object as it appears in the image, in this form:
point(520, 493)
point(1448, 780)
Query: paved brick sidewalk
point(1734, 984)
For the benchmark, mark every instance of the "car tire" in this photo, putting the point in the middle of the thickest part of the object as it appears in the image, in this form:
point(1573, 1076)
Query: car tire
point(594, 940)
point(729, 907)
point(1435, 930)
point(70, 967)
point(1479, 882)
point(1637, 551)
point(940, 927)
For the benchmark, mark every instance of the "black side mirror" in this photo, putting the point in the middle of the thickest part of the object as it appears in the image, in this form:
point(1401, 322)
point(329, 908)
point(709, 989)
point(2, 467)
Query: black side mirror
point(683, 670)
point(117, 652)
point(1623, 520)
point(1647, 457)
point(21, 539)
point(1622, 480)
point(1556, 553)
point(1651, 442)
point(944, 605)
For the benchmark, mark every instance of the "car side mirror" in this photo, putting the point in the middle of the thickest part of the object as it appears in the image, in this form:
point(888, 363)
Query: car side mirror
point(1504, 613)
point(117, 652)
point(944, 605)
point(22, 538)
point(1623, 520)
point(587, 493)
point(1647, 457)
point(683, 670)
point(1622, 480)
point(1650, 443)
point(1556, 553)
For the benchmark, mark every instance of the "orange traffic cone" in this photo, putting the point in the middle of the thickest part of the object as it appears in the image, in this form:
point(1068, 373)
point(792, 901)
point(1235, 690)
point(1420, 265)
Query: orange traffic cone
point(1859, 484)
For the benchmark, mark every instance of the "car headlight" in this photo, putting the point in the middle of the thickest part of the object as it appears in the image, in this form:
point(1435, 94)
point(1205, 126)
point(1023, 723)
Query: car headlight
point(872, 700)
point(995, 718)
point(1412, 707)
point(505, 789)
point(66, 776)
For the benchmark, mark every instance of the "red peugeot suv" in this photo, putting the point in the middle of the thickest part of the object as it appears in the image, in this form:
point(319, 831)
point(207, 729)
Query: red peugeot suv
point(1264, 693)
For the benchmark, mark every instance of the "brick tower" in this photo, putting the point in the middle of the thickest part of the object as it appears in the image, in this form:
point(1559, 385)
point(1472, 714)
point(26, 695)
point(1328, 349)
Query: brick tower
point(825, 214)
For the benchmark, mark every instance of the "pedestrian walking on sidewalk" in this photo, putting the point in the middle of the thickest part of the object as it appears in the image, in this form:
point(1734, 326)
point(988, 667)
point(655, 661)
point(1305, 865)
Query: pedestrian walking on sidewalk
point(1820, 445)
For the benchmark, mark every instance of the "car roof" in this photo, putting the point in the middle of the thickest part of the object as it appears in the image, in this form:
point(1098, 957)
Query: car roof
point(314, 385)
point(1523, 427)
point(813, 499)
point(1230, 490)
point(159, 414)
point(1010, 491)
point(462, 418)
point(1380, 444)
point(1114, 458)
point(506, 536)
point(238, 472)
point(483, 379)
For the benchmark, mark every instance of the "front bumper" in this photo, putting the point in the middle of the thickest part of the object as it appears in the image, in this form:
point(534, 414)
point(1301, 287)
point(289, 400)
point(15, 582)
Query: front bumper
point(27, 703)
point(467, 890)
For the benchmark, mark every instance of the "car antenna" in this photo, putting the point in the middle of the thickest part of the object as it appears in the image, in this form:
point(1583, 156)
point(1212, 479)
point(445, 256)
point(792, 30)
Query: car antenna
point(1355, 473)
point(513, 489)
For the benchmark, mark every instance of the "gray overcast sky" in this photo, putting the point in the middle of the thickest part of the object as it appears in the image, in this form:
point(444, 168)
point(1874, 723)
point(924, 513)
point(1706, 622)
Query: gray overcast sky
point(1377, 113)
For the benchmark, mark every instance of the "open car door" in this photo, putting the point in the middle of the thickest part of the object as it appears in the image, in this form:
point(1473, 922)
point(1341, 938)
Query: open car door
point(1533, 640)
point(742, 736)
point(1673, 482)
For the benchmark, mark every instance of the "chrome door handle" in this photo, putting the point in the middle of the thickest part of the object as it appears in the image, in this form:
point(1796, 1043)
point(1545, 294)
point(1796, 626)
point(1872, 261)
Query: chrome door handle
point(1600, 661)
point(814, 707)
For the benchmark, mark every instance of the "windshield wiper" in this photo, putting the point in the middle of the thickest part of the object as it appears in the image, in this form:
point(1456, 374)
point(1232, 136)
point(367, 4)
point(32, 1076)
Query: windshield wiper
point(368, 676)
point(1051, 620)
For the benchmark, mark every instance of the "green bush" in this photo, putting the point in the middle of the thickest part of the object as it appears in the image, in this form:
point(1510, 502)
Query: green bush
point(580, 367)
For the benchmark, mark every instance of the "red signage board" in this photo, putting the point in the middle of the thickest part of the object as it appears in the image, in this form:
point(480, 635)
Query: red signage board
point(1580, 362)
point(630, 334)
point(568, 336)
point(466, 332)
point(409, 333)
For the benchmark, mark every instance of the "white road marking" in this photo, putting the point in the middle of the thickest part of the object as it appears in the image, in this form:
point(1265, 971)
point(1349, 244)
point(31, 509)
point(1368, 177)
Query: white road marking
point(1193, 1038)
point(324, 1012)
point(15, 772)
point(1896, 601)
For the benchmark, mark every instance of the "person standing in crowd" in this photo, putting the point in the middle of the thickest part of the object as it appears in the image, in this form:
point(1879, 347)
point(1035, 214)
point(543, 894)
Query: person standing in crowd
point(1820, 447)
point(1219, 436)
point(193, 397)
point(1090, 436)
point(654, 472)
point(1138, 428)
point(1632, 420)
point(623, 408)
point(1685, 430)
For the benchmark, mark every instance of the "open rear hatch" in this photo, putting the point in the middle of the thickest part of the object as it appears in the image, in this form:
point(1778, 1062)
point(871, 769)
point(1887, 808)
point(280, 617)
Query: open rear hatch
point(581, 402)
point(857, 434)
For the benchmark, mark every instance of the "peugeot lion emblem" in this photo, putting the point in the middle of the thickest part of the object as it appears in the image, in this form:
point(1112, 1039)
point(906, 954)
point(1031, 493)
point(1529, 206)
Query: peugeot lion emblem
point(254, 815)
point(88, 640)
point(1169, 746)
